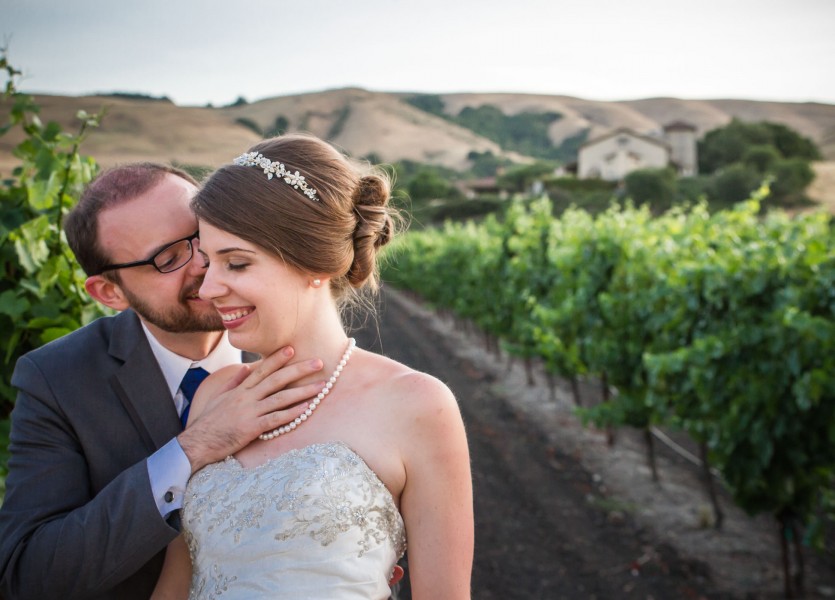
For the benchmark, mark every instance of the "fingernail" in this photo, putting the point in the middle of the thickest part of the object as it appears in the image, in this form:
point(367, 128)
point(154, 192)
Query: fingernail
point(315, 363)
point(288, 351)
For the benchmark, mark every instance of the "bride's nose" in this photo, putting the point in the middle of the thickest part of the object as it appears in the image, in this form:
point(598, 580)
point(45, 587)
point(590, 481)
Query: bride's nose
point(211, 287)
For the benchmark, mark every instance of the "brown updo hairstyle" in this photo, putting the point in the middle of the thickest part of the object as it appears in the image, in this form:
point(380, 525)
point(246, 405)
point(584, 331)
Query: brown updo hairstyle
point(337, 237)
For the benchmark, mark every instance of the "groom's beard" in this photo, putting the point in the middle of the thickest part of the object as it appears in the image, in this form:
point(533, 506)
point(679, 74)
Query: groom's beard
point(185, 316)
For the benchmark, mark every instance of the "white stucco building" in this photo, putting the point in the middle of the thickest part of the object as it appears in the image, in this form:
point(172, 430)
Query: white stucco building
point(614, 155)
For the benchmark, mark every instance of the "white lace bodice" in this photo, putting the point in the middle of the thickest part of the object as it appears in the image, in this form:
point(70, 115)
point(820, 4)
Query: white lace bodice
point(312, 523)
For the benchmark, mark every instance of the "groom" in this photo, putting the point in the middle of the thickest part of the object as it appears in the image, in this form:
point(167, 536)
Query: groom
point(99, 460)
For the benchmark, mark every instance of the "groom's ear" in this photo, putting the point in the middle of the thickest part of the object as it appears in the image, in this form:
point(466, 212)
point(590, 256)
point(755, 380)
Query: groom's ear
point(106, 292)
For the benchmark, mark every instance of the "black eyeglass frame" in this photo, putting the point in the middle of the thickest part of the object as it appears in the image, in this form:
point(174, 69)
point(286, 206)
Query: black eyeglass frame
point(152, 261)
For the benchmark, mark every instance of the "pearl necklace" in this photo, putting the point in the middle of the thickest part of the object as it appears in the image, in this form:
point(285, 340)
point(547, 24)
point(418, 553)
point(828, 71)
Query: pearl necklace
point(315, 402)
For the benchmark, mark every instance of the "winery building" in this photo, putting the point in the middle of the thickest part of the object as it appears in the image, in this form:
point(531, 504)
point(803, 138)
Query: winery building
point(616, 154)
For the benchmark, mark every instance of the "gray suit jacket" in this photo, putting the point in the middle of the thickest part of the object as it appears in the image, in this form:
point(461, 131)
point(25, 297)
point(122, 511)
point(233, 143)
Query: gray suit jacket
point(79, 519)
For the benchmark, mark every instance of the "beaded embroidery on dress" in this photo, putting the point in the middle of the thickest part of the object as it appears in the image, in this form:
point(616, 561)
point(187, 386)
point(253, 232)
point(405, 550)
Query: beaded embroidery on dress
point(311, 523)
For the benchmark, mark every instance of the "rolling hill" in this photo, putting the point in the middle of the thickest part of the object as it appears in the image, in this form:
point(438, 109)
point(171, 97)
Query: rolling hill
point(364, 122)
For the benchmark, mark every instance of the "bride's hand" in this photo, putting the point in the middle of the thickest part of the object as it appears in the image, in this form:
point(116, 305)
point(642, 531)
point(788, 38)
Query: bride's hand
point(236, 404)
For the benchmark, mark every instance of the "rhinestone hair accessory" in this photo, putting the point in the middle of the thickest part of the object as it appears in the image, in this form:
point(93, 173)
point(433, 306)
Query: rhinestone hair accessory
point(272, 169)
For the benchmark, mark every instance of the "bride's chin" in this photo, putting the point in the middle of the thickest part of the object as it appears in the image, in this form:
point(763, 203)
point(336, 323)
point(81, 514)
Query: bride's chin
point(252, 346)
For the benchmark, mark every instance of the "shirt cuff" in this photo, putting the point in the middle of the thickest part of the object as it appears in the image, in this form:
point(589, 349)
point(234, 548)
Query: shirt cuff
point(169, 470)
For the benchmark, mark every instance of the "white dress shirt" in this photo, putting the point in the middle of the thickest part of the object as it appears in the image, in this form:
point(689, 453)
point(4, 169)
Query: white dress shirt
point(168, 467)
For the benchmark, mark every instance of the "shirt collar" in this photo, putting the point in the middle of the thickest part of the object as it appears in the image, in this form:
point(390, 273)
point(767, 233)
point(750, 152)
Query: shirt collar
point(174, 366)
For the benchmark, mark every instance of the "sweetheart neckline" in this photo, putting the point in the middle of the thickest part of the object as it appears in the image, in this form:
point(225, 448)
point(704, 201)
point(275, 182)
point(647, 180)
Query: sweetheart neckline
point(294, 451)
point(232, 460)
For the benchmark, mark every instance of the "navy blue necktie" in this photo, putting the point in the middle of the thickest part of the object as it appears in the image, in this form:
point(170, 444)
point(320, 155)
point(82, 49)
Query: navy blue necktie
point(194, 377)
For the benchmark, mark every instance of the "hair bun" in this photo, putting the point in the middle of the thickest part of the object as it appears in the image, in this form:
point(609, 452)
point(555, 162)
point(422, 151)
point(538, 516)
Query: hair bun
point(374, 228)
point(371, 191)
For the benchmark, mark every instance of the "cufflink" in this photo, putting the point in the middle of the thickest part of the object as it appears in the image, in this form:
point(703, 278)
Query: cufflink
point(168, 497)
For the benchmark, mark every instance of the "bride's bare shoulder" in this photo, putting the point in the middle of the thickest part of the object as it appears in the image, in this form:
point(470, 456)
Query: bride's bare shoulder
point(411, 391)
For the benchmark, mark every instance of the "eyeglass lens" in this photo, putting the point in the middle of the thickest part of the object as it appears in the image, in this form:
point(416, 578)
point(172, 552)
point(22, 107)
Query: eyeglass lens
point(173, 257)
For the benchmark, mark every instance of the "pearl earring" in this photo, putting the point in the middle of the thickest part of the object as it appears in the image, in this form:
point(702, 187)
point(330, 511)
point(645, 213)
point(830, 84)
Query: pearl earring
point(317, 282)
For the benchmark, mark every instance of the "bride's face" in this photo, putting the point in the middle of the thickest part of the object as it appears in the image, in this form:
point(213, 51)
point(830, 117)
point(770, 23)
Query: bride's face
point(261, 300)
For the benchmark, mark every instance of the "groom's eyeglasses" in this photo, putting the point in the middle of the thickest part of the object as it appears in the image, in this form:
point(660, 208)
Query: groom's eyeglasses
point(175, 255)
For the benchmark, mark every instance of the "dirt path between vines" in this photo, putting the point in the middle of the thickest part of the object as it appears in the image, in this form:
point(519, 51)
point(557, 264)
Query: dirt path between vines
point(561, 515)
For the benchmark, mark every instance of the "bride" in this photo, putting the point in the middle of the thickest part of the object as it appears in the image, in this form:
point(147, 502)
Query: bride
point(321, 507)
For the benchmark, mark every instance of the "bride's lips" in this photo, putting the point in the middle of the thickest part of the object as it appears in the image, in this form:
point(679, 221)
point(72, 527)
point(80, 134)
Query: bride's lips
point(234, 317)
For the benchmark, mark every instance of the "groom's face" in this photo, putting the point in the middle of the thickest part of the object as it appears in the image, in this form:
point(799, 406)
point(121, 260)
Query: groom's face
point(136, 230)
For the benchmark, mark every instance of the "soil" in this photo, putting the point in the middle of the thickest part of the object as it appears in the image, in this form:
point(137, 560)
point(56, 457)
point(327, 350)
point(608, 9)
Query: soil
point(561, 514)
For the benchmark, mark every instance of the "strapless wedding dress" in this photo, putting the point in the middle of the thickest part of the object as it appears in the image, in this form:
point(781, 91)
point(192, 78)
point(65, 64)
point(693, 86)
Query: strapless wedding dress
point(313, 523)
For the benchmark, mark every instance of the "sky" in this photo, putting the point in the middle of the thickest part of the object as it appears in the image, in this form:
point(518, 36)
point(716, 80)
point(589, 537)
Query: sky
point(209, 51)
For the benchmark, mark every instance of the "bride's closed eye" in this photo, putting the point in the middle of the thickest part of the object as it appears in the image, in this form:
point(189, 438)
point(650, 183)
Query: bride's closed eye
point(232, 266)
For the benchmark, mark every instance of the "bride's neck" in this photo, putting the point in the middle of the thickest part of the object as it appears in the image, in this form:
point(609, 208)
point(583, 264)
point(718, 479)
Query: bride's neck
point(323, 338)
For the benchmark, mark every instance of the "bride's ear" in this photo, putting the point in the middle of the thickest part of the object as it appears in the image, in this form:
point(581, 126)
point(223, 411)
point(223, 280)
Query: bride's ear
point(106, 292)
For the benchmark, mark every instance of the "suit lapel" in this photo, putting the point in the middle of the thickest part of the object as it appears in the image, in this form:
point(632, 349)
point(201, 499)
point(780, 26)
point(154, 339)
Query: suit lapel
point(140, 385)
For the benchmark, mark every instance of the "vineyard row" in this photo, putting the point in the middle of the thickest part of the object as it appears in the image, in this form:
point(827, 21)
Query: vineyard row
point(721, 325)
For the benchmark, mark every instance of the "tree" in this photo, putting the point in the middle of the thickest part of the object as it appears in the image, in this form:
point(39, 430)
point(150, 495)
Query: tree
point(742, 155)
point(761, 157)
point(279, 127)
point(430, 103)
point(249, 124)
point(728, 145)
point(656, 187)
point(241, 101)
point(525, 132)
point(486, 164)
point(791, 178)
point(520, 177)
point(734, 184)
point(791, 144)
point(42, 295)
point(428, 185)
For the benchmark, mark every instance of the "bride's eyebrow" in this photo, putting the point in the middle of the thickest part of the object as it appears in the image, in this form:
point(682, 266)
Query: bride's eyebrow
point(233, 249)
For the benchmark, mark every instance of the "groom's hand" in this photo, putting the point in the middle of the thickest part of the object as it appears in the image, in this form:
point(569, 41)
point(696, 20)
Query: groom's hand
point(254, 401)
